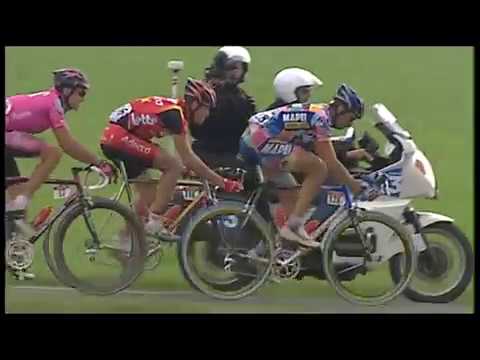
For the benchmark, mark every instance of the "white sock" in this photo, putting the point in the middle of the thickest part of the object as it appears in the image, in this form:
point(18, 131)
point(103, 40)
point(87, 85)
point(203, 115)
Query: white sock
point(154, 217)
point(294, 221)
point(19, 203)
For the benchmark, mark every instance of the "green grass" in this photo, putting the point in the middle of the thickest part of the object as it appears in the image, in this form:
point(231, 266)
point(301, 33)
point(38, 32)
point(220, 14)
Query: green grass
point(429, 89)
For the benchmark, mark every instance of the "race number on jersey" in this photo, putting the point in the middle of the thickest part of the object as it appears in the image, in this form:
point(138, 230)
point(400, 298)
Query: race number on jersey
point(121, 112)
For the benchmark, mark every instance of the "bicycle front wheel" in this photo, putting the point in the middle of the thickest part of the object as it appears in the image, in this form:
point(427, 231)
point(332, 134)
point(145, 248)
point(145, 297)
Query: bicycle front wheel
point(356, 258)
point(99, 249)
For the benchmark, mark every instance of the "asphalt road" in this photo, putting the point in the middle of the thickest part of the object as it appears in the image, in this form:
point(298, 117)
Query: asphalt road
point(24, 299)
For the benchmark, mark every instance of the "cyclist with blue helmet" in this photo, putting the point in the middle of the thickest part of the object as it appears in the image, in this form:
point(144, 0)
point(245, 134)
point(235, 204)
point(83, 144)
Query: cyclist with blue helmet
point(295, 85)
point(296, 138)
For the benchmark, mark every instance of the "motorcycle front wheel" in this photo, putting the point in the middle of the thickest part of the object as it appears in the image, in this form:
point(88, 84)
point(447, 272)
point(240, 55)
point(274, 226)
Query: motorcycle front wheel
point(444, 269)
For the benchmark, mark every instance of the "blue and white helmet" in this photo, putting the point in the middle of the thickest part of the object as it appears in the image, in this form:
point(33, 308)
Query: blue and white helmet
point(352, 101)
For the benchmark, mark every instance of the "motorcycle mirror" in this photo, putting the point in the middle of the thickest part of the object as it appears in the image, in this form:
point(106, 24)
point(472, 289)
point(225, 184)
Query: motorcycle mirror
point(368, 143)
point(350, 134)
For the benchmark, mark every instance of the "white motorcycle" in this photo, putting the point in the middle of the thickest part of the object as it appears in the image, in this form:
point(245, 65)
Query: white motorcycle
point(445, 257)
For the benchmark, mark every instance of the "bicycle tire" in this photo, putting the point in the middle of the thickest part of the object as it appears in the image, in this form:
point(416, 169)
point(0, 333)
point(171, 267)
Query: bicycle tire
point(135, 266)
point(401, 232)
point(459, 288)
point(221, 291)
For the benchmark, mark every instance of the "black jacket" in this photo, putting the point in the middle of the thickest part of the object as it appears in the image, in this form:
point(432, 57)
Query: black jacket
point(221, 131)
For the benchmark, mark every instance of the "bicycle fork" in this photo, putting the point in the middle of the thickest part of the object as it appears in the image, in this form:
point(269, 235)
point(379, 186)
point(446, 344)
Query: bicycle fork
point(94, 245)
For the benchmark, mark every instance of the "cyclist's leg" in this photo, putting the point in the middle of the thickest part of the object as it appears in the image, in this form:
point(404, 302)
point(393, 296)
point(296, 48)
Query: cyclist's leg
point(137, 169)
point(315, 173)
point(26, 145)
point(287, 186)
point(172, 170)
point(145, 195)
point(49, 158)
point(149, 155)
point(11, 170)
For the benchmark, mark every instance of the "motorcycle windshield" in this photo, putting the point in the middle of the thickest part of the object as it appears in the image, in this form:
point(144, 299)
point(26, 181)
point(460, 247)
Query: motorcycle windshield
point(384, 116)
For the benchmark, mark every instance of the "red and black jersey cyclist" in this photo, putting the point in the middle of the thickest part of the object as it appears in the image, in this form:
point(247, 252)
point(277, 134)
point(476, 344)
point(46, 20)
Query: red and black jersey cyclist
point(128, 138)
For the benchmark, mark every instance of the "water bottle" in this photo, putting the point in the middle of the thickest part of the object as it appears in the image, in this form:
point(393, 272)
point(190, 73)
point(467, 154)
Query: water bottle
point(278, 214)
point(172, 213)
point(42, 217)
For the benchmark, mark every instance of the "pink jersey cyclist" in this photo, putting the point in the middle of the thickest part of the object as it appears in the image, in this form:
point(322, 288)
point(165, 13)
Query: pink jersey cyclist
point(34, 113)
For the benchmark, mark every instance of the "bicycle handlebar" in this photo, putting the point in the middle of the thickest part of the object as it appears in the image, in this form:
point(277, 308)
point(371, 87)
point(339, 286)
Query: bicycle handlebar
point(104, 180)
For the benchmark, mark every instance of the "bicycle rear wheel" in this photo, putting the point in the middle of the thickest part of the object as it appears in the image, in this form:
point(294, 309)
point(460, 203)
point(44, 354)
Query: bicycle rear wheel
point(224, 254)
point(99, 250)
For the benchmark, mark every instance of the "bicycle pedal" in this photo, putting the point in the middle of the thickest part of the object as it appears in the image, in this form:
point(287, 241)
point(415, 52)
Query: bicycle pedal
point(274, 280)
point(22, 275)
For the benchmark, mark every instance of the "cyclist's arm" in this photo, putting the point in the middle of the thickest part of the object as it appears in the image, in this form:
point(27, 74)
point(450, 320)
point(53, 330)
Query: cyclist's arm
point(73, 148)
point(193, 162)
point(324, 150)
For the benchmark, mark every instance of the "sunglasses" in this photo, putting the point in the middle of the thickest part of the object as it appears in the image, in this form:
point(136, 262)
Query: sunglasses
point(81, 91)
point(355, 116)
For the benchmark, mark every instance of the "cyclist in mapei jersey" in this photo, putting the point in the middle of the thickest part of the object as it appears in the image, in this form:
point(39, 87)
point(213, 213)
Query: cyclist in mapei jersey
point(295, 85)
point(296, 138)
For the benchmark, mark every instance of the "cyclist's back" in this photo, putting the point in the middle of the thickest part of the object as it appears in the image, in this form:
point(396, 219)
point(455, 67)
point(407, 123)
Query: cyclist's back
point(34, 113)
point(275, 132)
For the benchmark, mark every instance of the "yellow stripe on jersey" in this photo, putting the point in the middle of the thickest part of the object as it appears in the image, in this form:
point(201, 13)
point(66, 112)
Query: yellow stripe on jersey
point(317, 107)
point(297, 125)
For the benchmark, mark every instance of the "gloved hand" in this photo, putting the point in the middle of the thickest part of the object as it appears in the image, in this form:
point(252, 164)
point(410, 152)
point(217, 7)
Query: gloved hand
point(108, 169)
point(359, 154)
point(368, 192)
point(372, 186)
point(232, 185)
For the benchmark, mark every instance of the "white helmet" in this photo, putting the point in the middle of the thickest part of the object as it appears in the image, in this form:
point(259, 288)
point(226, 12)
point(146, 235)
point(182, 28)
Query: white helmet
point(236, 53)
point(287, 81)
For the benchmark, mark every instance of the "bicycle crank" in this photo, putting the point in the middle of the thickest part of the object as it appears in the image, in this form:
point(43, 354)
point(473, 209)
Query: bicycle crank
point(286, 264)
point(19, 254)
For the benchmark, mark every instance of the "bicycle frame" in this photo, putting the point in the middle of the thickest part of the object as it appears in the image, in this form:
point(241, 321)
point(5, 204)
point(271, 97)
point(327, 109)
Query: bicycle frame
point(206, 193)
point(78, 196)
point(346, 209)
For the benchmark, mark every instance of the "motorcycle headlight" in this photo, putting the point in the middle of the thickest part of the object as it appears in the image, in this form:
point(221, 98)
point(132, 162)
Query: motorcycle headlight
point(423, 165)
point(419, 166)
